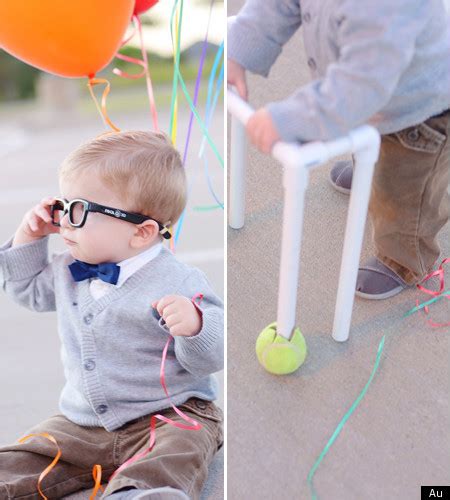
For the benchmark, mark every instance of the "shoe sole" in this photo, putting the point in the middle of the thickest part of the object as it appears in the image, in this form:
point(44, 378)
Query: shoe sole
point(379, 296)
point(339, 188)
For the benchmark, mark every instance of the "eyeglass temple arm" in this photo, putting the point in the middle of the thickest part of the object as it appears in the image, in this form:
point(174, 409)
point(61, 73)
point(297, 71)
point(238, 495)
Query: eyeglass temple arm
point(130, 217)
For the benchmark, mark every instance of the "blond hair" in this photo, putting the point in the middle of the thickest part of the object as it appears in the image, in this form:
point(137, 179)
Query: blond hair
point(141, 167)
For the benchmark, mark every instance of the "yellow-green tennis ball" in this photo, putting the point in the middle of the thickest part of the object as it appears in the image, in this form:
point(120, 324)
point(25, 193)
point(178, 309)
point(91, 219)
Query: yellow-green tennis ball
point(279, 355)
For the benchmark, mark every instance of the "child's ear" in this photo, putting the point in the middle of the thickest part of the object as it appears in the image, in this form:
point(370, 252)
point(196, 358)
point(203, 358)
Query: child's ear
point(145, 234)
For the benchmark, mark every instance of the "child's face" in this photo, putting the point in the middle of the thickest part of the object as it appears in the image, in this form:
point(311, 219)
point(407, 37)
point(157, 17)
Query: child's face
point(102, 238)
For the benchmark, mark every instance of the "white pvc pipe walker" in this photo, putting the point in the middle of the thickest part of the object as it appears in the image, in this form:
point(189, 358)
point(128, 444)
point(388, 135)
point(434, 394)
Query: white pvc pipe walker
point(364, 143)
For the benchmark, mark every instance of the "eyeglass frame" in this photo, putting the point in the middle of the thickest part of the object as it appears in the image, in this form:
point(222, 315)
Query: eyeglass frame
point(117, 213)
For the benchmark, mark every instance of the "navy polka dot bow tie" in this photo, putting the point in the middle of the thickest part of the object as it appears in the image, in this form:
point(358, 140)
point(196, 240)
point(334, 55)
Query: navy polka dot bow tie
point(108, 272)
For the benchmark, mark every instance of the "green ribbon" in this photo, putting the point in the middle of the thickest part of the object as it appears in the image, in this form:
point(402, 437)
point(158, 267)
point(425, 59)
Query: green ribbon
point(362, 394)
point(344, 419)
point(186, 93)
point(206, 208)
point(424, 304)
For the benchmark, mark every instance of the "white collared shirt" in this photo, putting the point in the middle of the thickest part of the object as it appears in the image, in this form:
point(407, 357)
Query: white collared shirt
point(128, 267)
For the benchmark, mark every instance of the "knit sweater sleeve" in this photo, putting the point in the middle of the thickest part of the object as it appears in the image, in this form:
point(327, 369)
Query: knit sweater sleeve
point(202, 354)
point(260, 30)
point(27, 276)
point(376, 45)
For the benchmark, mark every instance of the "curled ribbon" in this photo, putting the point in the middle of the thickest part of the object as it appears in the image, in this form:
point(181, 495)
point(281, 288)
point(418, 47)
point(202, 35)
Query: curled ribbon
point(102, 109)
point(154, 418)
point(145, 70)
point(46, 471)
point(436, 294)
point(97, 469)
point(97, 475)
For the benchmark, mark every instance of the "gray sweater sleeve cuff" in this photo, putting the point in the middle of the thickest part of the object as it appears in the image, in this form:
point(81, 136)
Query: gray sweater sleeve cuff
point(251, 49)
point(207, 338)
point(287, 122)
point(23, 261)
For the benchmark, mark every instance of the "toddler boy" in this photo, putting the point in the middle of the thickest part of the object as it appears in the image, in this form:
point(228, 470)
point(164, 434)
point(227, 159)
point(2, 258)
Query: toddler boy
point(120, 193)
point(371, 61)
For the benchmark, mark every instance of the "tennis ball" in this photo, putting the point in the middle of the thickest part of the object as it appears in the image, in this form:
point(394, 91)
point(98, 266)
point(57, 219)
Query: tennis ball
point(279, 355)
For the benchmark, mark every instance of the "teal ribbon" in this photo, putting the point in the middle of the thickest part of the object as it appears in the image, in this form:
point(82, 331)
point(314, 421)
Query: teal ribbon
point(362, 394)
point(342, 422)
point(424, 304)
point(188, 97)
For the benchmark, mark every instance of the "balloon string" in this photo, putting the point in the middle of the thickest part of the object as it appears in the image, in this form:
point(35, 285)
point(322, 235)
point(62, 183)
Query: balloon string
point(178, 13)
point(197, 82)
point(191, 117)
point(174, 101)
point(145, 68)
point(148, 79)
point(183, 214)
point(188, 98)
point(208, 208)
point(153, 419)
point(437, 296)
point(45, 472)
point(208, 114)
point(129, 59)
point(102, 110)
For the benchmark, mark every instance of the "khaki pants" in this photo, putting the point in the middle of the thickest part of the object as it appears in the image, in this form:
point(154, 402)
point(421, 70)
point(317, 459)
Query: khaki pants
point(179, 459)
point(409, 202)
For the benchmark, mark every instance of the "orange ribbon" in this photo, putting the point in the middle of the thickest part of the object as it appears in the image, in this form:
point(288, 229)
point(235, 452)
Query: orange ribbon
point(102, 110)
point(97, 475)
point(50, 467)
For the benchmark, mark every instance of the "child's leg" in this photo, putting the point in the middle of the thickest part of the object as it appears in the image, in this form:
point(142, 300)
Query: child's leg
point(179, 459)
point(81, 448)
point(409, 202)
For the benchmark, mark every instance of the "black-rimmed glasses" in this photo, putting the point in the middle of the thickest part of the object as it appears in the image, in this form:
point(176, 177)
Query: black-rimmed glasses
point(78, 210)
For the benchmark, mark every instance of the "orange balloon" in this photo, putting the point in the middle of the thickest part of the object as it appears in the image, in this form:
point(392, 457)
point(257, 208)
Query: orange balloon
point(72, 39)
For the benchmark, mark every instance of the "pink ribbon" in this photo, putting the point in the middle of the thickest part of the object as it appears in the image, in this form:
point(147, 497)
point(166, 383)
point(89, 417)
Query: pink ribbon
point(153, 419)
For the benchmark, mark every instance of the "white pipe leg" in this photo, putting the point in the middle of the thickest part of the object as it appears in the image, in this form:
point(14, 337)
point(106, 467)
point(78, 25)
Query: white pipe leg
point(354, 234)
point(295, 180)
point(364, 142)
point(237, 174)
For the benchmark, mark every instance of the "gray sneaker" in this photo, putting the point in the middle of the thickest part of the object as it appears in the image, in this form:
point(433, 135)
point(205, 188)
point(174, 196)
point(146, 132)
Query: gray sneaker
point(341, 176)
point(377, 281)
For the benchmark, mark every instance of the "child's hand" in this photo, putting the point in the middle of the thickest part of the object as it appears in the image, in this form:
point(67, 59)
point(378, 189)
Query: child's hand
point(261, 131)
point(36, 223)
point(180, 315)
point(236, 77)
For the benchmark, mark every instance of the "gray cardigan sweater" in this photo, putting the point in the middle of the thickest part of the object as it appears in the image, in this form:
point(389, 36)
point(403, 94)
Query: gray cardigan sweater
point(111, 348)
point(381, 62)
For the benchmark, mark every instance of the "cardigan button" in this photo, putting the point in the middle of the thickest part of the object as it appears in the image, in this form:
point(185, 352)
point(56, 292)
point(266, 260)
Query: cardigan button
point(89, 365)
point(312, 64)
point(88, 319)
point(101, 409)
